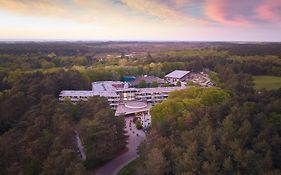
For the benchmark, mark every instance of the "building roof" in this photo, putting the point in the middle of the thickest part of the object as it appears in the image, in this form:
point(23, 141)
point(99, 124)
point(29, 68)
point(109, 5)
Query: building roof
point(107, 88)
point(147, 79)
point(132, 107)
point(100, 86)
point(135, 104)
point(128, 78)
point(177, 74)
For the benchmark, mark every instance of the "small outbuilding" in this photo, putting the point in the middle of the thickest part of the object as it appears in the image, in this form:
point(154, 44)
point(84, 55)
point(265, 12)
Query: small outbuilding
point(177, 76)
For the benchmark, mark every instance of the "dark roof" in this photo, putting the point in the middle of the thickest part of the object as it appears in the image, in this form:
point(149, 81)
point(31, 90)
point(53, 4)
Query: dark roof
point(147, 79)
point(128, 78)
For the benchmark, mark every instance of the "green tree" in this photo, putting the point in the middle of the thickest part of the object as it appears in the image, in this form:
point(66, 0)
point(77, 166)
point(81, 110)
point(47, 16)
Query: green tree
point(62, 163)
point(220, 136)
point(142, 84)
point(154, 84)
point(102, 133)
point(155, 163)
point(138, 124)
point(166, 85)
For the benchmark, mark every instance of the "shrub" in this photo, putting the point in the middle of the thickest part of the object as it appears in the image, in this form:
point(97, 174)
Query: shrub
point(138, 124)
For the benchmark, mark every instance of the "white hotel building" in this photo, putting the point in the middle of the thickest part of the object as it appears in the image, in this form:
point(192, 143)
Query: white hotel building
point(127, 100)
point(118, 92)
point(123, 99)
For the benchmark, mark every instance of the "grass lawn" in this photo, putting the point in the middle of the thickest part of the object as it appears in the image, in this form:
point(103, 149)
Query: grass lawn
point(129, 169)
point(267, 82)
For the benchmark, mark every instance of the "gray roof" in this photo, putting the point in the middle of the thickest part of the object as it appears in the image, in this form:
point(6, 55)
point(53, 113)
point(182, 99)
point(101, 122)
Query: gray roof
point(101, 86)
point(177, 74)
point(106, 88)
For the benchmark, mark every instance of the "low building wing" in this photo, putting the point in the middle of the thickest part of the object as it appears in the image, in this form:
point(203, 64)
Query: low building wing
point(177, 74)
point(132, 107)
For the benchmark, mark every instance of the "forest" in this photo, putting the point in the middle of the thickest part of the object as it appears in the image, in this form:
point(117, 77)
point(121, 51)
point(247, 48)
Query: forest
point(37, 131)
point(233, 128)
point(207, 132)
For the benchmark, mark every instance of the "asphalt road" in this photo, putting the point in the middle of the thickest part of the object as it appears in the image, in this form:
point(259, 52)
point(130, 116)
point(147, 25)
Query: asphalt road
point(115, 165)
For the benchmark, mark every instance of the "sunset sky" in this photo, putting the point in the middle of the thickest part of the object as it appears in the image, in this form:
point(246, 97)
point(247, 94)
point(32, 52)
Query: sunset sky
point(185, 20)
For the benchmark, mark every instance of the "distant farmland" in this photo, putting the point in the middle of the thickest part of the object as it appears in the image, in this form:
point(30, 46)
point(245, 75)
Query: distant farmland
point(267, 82)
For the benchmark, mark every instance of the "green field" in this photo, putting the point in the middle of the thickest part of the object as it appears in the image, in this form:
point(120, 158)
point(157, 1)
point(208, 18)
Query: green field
point(267, 82)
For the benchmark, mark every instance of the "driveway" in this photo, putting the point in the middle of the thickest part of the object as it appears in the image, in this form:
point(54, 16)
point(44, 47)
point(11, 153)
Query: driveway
point(115, 165)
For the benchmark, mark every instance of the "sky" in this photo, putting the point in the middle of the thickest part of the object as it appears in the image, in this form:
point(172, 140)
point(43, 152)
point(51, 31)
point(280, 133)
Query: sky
point(144, 20)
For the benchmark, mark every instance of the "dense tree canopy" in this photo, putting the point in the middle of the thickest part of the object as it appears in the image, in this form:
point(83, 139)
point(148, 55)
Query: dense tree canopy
point(38, 132)
point(102, 133)
point(221, 135)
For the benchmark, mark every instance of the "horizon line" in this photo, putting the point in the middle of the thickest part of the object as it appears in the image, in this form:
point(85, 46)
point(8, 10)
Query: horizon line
point(115, 40)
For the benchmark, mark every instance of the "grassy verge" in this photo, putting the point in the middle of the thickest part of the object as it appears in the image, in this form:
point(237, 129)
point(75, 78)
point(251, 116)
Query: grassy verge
point(129, 169)
point(267, 82)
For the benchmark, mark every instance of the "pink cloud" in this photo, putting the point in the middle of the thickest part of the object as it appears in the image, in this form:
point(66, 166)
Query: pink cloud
point(229, 12)
point(269, 10)
point(163, 11)
point(243, 12)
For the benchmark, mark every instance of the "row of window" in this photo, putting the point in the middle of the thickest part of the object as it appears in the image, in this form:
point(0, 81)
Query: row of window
point(76, 97)
point(118, 98)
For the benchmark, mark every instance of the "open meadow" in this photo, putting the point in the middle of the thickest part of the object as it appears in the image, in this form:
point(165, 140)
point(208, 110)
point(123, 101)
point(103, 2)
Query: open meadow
point(267, 82)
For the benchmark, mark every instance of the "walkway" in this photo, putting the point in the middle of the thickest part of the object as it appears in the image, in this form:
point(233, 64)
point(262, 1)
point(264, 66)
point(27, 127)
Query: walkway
point(80, 146)
point(115, 165)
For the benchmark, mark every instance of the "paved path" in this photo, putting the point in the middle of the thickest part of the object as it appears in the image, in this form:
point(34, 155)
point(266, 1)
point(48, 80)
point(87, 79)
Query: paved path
point(80, 146)
point(115, 165)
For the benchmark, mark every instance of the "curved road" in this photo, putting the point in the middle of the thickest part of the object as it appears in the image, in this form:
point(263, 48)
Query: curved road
point(115, 165)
